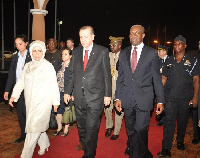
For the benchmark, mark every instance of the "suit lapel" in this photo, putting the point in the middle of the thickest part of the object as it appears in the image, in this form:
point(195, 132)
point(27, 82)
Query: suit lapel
point(80, 57)
point(141, 59)
point(128, 54)
point(28, 57)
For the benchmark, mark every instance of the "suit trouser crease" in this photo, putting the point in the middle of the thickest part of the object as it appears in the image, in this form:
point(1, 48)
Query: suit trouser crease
point(88, 122)
point(137, 122)
point(195, 120)
point(176, 110)
point(21, 110)
point(31, 141)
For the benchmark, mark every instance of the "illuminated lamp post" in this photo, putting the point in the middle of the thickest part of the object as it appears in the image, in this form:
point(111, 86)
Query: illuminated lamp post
point(156, 42)
point(59, 23)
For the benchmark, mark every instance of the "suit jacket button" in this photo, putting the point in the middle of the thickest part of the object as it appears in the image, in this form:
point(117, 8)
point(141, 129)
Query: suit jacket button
point(84, 78)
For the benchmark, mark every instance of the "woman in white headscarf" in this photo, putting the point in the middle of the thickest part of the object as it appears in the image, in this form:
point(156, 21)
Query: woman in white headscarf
point(39, 82)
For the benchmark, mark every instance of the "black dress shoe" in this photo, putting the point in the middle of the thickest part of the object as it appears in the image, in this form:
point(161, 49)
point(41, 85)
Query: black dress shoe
point(159, 124)
point(195, 141)
point(58, 132)
point(127, 151)
point(109, 132)
point(180, 146)
point(164, 153)
point(114, 137)
point(19, 140)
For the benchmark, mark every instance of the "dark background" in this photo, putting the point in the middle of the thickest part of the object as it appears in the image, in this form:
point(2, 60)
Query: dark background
point(111, 18)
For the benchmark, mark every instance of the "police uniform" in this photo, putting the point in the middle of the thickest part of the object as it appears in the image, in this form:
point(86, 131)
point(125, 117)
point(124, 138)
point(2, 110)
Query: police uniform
point(178, 93)
point(108, 110)
point(161, 117)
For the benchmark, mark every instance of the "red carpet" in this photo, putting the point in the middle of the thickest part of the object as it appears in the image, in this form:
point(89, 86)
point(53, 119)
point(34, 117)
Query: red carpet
point(106, 148)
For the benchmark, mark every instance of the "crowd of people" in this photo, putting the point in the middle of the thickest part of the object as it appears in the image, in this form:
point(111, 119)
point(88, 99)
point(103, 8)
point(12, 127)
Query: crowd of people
point(89, 79)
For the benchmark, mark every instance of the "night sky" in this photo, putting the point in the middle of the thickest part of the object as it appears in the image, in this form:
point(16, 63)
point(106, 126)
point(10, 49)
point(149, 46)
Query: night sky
point(111, 18)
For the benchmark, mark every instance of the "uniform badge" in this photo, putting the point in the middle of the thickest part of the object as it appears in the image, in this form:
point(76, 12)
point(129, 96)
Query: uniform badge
point(187, 62)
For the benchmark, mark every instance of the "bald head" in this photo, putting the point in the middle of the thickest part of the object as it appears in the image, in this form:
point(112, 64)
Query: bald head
point(141, 27)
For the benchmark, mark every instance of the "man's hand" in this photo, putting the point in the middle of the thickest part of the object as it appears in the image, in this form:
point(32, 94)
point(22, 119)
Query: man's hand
point(6, 95)
point(194, 101)
point(159, 109)
point(11, 101)
point(72, 98)
point(55, 107)
point(66, 98)
point(107, 101)
point(118, 105)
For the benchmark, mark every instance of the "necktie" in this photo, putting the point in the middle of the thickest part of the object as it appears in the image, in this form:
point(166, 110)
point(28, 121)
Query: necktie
point(85, 59)
point(134, 60)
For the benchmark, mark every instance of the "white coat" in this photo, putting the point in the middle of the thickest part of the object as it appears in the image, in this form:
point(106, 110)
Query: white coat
point(41, 92)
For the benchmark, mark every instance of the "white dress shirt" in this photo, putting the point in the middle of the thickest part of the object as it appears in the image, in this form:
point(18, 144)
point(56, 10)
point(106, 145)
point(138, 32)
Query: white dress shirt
point(90, 49)
point(139, 50)
point(20, 64)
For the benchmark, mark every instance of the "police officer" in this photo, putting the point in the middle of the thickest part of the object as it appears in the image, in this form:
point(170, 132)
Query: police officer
point(115, 46)
point(162, 53)
point(180, 76)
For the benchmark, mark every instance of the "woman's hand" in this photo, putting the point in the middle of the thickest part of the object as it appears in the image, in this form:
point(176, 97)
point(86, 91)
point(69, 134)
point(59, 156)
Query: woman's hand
point(11, 101)
point(55, 108)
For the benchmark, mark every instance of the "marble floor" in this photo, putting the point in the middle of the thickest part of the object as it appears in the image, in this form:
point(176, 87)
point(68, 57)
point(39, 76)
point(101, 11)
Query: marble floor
point(9, 131)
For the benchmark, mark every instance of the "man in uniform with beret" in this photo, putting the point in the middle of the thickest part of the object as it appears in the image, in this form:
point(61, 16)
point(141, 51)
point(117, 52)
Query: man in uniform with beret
point(115, 46)
point(180, 76)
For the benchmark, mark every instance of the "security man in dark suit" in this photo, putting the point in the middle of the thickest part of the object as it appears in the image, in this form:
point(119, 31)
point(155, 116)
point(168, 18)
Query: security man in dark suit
point(181, 81)
point(19, 59)
point(89, 77)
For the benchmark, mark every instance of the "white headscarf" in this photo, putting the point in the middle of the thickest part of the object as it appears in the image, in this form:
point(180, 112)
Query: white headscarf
point(39, 44)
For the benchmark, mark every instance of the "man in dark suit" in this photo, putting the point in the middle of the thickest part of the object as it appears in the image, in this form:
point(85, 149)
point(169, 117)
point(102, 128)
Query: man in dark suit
point(19, 59)
point(138, 78)
point(90, 79)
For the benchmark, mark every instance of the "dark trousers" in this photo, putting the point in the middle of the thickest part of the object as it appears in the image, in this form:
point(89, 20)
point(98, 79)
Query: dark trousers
point(175, 110)
point(137, 122)
point(161, 117)
point(88, 121)
point(195, 120)
point(21, 110)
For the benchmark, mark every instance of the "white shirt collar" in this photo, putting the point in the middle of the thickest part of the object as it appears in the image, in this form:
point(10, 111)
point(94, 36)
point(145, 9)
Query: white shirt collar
point(139, 50)
point(139, 47)
point(90, 48)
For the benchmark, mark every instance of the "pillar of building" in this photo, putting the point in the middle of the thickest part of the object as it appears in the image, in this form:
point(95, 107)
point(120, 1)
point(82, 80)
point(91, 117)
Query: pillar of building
point(38, 26)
